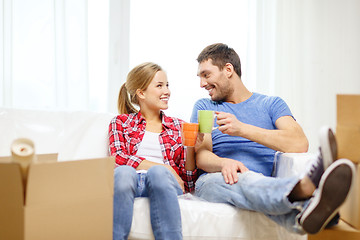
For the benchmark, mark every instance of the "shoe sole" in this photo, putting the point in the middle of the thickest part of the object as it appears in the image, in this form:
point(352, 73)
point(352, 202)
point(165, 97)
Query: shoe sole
point(328, 146)
point(332, 192)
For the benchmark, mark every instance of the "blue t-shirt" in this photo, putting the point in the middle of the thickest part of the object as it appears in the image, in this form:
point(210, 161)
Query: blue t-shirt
point(259, 110)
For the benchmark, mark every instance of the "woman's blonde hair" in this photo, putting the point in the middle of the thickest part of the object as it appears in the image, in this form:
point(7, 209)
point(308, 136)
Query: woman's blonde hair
point(138, 78)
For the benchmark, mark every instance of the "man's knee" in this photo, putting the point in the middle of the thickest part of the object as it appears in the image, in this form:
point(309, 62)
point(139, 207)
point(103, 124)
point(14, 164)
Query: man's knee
point(209, 183)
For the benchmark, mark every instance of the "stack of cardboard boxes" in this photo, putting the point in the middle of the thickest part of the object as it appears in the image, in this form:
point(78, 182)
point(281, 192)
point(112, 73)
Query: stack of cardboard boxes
point(348, 140)
point(69, 200)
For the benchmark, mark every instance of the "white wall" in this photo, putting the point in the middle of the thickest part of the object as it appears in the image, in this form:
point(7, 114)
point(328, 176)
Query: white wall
point(305, 51)
point(313, 50)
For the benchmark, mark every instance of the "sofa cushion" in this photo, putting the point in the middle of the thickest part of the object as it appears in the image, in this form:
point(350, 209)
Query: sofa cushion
point(71, 134)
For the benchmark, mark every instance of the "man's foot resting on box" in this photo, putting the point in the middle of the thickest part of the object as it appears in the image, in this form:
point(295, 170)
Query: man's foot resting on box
point(333, 189)
point(327, 155)
point(327, 182)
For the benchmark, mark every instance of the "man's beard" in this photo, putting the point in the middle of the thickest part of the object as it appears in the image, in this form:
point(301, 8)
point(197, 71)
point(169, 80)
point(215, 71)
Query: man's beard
point(223, 95)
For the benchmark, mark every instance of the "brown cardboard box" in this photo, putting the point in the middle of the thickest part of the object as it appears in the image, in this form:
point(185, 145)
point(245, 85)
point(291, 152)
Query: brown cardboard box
point(348, 127)
point(350, 210)
point(341, 231)
point(69, 200)
point(348, 140)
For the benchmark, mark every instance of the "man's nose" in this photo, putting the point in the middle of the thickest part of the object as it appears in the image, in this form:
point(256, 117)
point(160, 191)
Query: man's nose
point(203, 83)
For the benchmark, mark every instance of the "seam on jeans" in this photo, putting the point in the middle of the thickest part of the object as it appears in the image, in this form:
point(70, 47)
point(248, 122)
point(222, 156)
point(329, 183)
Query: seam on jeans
point(155, 202)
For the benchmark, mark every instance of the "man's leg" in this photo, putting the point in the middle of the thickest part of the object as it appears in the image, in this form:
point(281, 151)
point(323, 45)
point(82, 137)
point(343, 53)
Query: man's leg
point(253, 191)
point(333, 189)
point(321, 208)
point(284, 196)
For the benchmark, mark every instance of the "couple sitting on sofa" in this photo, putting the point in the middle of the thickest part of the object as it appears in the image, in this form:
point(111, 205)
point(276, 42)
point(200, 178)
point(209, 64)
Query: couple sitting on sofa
point(236, 159)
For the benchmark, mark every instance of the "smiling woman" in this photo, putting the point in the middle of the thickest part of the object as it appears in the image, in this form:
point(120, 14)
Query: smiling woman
point(149, 154)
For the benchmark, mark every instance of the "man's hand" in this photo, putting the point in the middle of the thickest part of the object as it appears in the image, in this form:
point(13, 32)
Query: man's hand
point(230, 168)
point(228, 123)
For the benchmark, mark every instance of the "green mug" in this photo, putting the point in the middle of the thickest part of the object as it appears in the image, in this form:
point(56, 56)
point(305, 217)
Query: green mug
point(206, 121)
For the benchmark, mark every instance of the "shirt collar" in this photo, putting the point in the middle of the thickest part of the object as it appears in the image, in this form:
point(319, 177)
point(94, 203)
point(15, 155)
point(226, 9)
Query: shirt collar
point(166, 122)
point(164, 119)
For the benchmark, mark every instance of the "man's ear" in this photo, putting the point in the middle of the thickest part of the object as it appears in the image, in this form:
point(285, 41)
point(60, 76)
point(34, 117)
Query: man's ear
point(140, 94)
point(229, 69)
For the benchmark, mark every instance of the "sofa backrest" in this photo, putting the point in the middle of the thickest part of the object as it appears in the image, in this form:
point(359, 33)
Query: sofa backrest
point(72, 134)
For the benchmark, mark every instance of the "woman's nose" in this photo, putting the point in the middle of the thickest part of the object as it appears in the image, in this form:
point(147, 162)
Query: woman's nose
point(167, 91)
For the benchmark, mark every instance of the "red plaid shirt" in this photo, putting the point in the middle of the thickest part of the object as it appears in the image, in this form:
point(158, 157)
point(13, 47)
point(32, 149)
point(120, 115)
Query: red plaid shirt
point(126, 132)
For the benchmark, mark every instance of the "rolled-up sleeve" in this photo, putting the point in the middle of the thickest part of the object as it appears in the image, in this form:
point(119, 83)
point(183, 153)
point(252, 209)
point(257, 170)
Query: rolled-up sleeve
point(117, 145)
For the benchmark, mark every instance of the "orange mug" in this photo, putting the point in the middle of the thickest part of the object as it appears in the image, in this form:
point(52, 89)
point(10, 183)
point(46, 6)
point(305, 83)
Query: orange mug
point(189, 132)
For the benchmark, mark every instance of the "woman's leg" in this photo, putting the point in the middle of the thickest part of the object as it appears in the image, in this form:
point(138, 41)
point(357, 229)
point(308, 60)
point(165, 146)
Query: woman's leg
point(125, 185)
point(163, 190)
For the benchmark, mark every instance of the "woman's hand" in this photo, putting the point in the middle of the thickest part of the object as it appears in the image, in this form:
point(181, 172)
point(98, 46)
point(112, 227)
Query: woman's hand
point(199, 141)
point(177, 177)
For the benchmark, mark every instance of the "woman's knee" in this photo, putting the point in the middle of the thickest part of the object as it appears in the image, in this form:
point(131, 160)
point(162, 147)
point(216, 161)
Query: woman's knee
point(159, 177)
point(158, 172)
point(125, 179)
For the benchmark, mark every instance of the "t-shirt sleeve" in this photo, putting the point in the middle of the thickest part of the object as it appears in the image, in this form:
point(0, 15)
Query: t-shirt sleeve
point(279, 108)
point(201, 104)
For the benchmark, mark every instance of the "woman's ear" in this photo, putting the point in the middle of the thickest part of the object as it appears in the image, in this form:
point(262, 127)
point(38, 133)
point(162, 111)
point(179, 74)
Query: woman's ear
point(140, 94)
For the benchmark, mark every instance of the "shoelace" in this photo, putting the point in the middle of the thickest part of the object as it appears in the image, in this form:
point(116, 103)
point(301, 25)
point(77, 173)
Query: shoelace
point(316, 164)
point(316, 169)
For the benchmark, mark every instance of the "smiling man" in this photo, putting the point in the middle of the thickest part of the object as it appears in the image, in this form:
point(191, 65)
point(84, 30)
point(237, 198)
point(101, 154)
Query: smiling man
point(238, 156)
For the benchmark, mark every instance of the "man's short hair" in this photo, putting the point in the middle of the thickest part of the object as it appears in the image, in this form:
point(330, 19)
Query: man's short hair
point(220, 54)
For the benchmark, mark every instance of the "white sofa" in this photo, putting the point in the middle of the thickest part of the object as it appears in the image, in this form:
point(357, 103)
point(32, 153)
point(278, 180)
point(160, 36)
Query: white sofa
point(81, 135)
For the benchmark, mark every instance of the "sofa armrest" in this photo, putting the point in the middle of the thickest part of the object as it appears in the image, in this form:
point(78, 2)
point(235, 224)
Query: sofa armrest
point(292, 164)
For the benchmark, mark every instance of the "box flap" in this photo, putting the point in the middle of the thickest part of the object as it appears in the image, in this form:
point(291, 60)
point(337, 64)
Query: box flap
point(11, 201)
point(348, 109)
point(46, 158)
point(63, 182)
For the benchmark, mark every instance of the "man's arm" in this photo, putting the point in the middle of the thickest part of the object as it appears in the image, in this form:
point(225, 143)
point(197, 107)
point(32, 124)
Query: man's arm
point(288, 137)
point(209, 162)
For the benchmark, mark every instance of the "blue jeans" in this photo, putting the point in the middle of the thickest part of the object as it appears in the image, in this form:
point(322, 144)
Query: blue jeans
point(255, 192)
point(162, 189)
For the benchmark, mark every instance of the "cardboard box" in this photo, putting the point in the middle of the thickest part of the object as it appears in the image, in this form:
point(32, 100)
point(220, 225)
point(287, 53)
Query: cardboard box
point(348, 127)
point(341, 231)
point(350, 210)
point(69, 200)
point(348, 140)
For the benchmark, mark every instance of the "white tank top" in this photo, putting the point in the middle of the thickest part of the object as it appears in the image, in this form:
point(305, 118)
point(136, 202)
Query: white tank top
point(150, 148)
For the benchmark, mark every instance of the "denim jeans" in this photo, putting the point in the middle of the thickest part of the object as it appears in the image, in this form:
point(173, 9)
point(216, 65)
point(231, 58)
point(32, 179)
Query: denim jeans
point(255, 192)
point(162, 189)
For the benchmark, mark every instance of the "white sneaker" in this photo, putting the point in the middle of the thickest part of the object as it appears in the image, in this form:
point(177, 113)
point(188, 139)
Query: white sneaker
point(327, 155)
point(333, 189)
